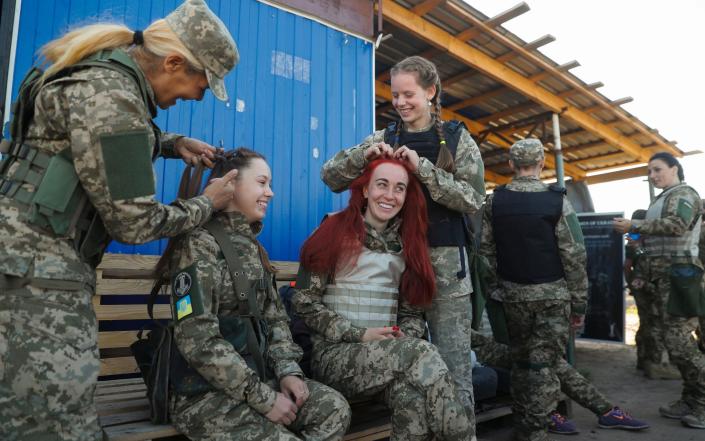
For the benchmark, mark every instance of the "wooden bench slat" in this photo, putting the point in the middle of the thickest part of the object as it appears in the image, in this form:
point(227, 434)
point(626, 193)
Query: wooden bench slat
point(123, 396)
point(115, 407)
point(118, 366)
point(129, 312)
point(110, 391)
point(122, 418)
point(140, 431)
point(116, 339)
point(373, 433)
point(106, 287)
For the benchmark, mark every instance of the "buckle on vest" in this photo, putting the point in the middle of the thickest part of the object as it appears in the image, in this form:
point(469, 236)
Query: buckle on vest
point(23, 151)
point(5, 185)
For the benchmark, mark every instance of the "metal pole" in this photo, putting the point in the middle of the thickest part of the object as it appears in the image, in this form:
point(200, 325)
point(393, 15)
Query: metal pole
point(557, 149)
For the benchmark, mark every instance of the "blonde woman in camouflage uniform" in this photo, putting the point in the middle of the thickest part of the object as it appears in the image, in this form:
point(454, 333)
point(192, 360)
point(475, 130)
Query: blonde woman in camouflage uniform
point(239, 399)
point(77, 174)
point(453, 183)
point(673, 276)
point(533, 243)
point(369, 276)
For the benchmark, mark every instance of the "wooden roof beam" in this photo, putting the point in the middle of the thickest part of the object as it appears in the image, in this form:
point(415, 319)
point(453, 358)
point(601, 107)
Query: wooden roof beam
point(528, 47)
point(618, 175)
point(571, 92)
point(508, 111)
point(502, 17)
point(481, 61)
point(616, 103)
point(382, 90)
point(578, 117)
point(565, 67)
point(424, 7)
point(619, 156)
point(477, 99)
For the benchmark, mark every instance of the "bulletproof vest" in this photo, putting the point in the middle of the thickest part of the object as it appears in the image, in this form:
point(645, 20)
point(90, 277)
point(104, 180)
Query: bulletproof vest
point(367, 293)
point(686, 245)
point(59, 205)
point(445, 226)
point(524, 226)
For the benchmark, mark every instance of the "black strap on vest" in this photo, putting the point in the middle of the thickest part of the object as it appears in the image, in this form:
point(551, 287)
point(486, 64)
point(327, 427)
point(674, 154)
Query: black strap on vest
point(247, 300)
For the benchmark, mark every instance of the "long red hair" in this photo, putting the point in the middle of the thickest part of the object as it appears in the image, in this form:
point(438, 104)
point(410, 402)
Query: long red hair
point(338, 240)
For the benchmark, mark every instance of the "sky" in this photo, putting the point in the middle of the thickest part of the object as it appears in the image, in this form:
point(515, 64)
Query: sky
point(651, 50)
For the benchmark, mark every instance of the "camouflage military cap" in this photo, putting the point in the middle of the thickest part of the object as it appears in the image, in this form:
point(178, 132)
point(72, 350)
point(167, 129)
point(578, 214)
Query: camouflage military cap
point(526, 152)
point(207, 37)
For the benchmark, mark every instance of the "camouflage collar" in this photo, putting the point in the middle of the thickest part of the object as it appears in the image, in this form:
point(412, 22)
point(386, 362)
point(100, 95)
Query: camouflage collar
point(525, 178)
point(387, 240)
point(236, 222)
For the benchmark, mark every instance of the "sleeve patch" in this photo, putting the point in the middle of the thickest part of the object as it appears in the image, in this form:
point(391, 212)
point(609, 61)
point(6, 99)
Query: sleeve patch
point(685, 210)
point(186, 294)
point(128, 164)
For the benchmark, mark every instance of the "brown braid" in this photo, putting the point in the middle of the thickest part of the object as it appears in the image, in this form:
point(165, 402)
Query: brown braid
point(189, 187)
point(427, 76)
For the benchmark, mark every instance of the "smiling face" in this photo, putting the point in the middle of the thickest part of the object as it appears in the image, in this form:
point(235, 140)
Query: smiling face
point(411, 100)
point(661, 175)
point(385, 194)
point(252, 190)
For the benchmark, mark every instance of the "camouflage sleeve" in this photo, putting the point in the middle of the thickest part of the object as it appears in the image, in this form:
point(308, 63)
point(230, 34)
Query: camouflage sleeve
point(167, 149)
point(111, 144)
point(308, 304)
point(573, 257)
point(343, 168)
point(197, 333)
point(488, 250)
point(463, 190)
point(411, 320)
point(282, 354)
point(680, 209)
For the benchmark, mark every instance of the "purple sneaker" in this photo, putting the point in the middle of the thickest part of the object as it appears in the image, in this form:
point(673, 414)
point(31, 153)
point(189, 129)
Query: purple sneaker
point(561, 426)
point(616, 418)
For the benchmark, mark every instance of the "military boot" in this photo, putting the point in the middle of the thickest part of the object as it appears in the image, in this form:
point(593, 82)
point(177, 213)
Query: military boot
point(676, 410)
point(695, 419)
point(661, 371)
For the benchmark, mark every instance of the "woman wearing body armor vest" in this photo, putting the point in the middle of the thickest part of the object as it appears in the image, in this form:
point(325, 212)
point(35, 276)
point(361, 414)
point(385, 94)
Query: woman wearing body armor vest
point(673, 276)
point(369, 278)
point(446, 160)
point(77, 173)
point(236, 376)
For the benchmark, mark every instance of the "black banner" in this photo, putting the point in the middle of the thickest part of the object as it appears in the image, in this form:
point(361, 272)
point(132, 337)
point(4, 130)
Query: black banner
point(605, 254)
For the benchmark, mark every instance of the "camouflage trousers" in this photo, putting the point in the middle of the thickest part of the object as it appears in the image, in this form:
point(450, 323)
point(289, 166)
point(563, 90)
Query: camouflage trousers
point(650, 346)
point(48, 363)
point(450, 319)
point(412, 376)
point(538, 335)
point(677, 335)
point(215, 416)
point(573, 384)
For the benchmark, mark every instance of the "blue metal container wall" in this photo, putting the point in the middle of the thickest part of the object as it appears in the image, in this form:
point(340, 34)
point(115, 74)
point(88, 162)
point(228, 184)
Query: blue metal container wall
point(301, 92)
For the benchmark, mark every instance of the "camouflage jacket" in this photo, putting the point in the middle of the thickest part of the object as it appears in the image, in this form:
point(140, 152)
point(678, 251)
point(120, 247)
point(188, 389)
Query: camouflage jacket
point(461, 191)
point(681, 207)
point(329, 326)
point(77, 112)
point(573, 287)
point(198, 335)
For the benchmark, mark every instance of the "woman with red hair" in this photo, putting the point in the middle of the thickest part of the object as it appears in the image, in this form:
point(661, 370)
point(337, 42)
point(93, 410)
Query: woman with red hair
point(369, 277)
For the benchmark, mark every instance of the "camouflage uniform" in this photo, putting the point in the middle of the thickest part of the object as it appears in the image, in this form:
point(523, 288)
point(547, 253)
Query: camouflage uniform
point(538, 314)
point(450, 316)
point(235, 409)
point(681, 206)
point(409, 371)
point(574, 385)
point(49, 359)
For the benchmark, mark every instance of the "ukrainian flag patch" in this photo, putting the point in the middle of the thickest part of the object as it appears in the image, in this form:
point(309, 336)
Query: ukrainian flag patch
point(183, 307)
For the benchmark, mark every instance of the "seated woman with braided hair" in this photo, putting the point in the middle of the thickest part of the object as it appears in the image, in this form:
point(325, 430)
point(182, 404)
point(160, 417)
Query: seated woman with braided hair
point(238, 375)
point(370, 277)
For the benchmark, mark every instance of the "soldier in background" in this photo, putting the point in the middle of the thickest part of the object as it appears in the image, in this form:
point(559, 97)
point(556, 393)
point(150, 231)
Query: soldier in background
point(77, 174)
point(533, 243)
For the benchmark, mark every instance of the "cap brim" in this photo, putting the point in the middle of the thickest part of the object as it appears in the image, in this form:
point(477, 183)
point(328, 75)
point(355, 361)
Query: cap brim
point(217, 86)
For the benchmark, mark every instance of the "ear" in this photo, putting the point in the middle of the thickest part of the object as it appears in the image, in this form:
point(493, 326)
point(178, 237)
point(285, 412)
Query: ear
point(173, 62)
point(542, 163)
point(431, 92)
point(364, 192)
point(511, 165)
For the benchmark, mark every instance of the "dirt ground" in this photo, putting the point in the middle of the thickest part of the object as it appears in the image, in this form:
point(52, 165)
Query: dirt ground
point(611, 367)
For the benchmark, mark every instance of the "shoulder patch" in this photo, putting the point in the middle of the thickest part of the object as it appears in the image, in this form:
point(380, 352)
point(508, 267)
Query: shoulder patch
point(128, 164)
point(186, 294)
point(685, 210)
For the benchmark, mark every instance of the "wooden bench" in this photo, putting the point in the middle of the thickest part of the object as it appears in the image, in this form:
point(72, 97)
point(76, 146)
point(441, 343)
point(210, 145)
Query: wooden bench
point(123, 286)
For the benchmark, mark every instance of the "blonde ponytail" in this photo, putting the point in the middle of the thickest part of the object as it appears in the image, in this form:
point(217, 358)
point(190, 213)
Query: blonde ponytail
point(74, 46)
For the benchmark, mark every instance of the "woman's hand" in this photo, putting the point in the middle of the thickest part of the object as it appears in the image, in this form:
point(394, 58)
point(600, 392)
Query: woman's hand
point(193, 151)
point(378, 150)
point(621, 225)
point(220, 190)
point(283, 412)
point(295, 388)
point(372, 334)
point(409, 156)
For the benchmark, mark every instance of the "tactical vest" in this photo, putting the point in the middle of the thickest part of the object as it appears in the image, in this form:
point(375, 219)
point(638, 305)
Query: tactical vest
point(685, 245)
point(247, 332)
point(445, 226)
point(524, 226)
point(367, 293)
point(59, 205)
